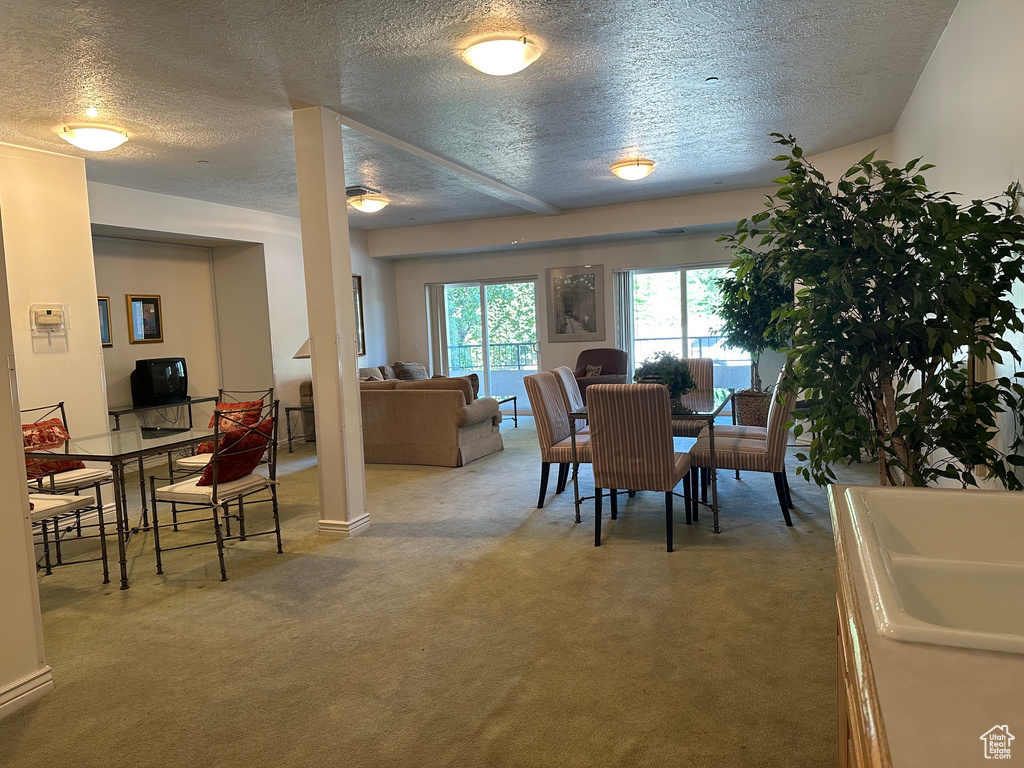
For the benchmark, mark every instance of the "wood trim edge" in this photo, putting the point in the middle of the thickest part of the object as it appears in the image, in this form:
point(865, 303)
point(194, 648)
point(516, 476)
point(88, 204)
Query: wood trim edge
point(865, 710)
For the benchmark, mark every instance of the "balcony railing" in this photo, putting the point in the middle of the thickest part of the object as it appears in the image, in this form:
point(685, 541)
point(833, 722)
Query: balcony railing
point(714, 347)
point(503, 357)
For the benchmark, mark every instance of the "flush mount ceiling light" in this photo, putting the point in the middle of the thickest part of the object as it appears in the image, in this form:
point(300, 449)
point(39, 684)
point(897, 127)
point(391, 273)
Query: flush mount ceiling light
point(632, 169)
point(502, 56)
point(368, 203)
point(366, 199)
point(93, 138)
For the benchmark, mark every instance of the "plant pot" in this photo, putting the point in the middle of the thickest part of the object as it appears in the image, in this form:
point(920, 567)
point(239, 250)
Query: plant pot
point(752, 408)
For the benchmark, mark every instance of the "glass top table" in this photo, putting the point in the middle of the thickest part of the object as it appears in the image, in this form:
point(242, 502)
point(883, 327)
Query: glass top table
point(119, 446)
point(126, 444)
point(697, 404)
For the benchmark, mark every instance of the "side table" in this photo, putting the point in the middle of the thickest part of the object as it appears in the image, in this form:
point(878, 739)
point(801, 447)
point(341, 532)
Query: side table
point(288, 411)
point(515, 406)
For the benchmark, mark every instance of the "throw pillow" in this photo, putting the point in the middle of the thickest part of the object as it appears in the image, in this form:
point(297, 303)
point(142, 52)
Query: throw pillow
point(239, 452)
point(46, 435)
point(411, 371)
point(593, 370)
point(231, 419)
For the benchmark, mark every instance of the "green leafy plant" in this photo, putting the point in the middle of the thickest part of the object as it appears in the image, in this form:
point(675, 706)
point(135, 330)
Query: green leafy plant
point(902, 293)
point(665, 368)
point(747, 301)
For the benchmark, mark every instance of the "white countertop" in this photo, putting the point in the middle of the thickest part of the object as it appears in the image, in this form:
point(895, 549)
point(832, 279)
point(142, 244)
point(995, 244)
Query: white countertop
point(935, 701)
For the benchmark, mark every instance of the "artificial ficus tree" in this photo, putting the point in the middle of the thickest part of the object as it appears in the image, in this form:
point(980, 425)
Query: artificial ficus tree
point(900, 290)
point(746, 304)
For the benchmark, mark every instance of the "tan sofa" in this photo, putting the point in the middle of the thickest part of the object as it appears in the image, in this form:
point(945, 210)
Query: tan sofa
point(427, 422)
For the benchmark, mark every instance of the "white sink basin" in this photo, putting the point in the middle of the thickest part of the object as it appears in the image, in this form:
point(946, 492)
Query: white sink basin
point(943, 566)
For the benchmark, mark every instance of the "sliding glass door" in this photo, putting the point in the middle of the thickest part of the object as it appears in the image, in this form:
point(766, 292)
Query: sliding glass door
point(491, 330)
point(673, 311)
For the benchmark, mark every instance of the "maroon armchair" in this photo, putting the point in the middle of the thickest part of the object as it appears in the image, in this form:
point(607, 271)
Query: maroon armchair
point(614, 368)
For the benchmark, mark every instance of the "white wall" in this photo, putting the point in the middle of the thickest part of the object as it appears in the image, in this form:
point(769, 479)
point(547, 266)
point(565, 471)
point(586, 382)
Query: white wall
point(380, 315)
point(966, 113)
point(24, 674)
point(281, 241)
point(49, 260)
point(180, 275)
point(242, 307)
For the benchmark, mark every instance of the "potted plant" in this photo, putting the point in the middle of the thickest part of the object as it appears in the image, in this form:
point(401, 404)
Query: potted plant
point(901, 290)
point(748, 302)
point(665, 368)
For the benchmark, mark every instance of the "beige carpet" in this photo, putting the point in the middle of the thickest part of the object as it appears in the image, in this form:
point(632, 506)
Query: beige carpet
point(465, 628)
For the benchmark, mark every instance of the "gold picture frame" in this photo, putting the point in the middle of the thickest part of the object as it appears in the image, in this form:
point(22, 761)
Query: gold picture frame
point(145, 321)
point(357, 295)
point(106, 335)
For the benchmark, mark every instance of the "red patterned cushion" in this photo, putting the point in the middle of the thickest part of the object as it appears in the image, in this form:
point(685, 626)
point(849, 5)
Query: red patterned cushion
point(250, 416)
point(46, 435)
point(240, 451)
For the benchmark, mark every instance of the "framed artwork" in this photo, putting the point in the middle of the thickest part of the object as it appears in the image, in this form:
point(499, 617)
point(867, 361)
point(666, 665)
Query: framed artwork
point(145, 323)
point(357, 295)
point(105, 337)
point(576, 303)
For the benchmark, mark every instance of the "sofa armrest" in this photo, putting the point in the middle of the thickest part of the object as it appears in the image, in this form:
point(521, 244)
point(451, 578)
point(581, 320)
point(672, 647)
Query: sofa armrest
point(479, 410)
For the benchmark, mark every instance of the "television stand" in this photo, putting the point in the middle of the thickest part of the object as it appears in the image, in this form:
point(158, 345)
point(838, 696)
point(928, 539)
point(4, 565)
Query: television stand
point(117, 413)
point(148, 433)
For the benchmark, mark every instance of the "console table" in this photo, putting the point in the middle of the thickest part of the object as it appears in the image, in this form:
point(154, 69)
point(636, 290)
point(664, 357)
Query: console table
point(123, 410)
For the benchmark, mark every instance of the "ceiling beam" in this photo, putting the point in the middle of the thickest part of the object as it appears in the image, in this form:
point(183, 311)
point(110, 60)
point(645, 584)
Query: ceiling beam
point(490, 186)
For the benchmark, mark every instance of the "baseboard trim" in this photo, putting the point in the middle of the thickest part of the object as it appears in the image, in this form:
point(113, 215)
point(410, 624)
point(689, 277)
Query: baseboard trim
point(345, 528)
point(25, 691)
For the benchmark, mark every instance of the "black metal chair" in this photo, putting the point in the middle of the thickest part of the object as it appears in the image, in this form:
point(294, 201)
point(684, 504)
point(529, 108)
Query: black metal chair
point(230, 478)
point(56, 517)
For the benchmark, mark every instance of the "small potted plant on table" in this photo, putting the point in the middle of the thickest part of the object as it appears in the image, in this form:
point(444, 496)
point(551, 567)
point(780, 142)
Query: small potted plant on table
point(665, 368)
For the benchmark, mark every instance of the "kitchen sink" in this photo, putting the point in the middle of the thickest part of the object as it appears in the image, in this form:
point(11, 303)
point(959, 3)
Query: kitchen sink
point(943, 566)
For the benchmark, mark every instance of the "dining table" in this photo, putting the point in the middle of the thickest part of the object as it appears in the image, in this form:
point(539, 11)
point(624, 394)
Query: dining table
point(118, 447)
point(697, 405)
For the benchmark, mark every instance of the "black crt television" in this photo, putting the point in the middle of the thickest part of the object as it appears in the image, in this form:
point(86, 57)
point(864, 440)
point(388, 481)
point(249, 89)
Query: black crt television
point(159, 381)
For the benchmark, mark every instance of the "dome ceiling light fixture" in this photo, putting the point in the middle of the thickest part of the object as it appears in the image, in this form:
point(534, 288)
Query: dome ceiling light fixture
point(93, 138)
point(366, 199)
point(502, 56)
point(632, 169)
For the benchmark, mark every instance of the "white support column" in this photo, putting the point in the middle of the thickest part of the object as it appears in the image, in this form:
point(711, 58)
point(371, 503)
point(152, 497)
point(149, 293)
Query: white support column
point(327, 264)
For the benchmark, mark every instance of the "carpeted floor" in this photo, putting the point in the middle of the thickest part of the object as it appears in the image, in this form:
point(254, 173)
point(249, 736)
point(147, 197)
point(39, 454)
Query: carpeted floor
point(465, 628)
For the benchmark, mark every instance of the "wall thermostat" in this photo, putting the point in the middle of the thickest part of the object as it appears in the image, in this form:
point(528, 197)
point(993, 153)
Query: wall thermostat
point(48, 319)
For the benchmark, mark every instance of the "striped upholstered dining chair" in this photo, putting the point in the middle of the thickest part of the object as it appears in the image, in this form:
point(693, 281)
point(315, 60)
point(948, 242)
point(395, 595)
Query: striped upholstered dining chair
point(768, 455)
point(547, 395)
point(631, 443)
point(703, 371)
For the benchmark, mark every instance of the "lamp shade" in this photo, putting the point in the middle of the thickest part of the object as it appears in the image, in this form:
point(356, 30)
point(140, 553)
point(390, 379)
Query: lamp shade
point(303, 353)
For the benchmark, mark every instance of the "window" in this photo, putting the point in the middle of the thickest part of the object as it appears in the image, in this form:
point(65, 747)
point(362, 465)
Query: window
point(489, 329)
point(672, 311)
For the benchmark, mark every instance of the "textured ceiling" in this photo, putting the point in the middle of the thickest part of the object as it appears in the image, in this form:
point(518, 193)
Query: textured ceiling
point(216, 81)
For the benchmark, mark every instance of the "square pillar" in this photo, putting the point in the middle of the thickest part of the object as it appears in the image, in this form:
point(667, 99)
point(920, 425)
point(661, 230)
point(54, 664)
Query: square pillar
point(327, 266)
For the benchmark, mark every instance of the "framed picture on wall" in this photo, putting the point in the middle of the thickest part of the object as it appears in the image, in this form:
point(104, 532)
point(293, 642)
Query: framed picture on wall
point(105, 337)
point(145, 323)
point(357, 295)
point(576, 303)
